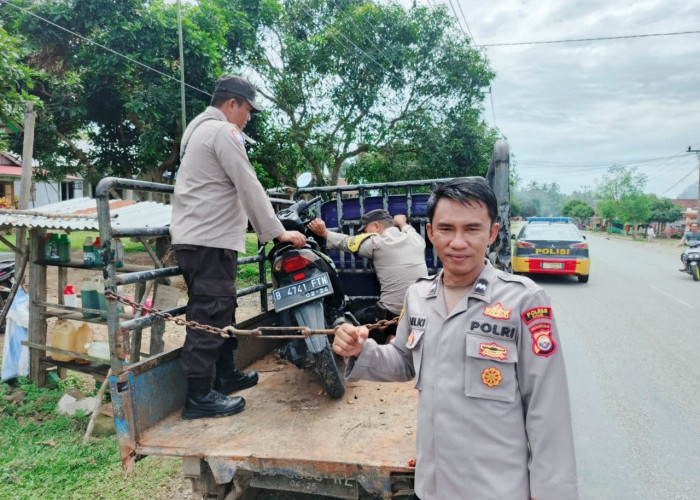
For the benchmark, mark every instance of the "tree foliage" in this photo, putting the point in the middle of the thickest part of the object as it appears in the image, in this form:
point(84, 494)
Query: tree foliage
point(578, 210)
point(15, 82)
point(385, 92)
point(664, 211)
point(389, 92)
point(540, 199)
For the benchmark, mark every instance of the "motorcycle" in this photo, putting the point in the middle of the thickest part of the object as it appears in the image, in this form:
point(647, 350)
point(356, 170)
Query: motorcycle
point(307, 292)
point(691, 259)
point(7, 274)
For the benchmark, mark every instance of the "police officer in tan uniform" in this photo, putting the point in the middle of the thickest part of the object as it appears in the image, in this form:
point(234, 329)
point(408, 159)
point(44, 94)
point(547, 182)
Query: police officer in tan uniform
point(216, 192)
point(398, 256)
point(494, 421)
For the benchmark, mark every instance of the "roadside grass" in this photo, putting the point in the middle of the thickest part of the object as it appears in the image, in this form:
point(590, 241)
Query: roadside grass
point(42, 455)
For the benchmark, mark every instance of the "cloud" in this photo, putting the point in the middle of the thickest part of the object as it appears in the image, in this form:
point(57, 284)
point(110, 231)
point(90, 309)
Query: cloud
point(594, 103)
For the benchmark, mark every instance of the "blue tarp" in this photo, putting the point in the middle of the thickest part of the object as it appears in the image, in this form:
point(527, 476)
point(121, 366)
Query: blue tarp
point(15, 356)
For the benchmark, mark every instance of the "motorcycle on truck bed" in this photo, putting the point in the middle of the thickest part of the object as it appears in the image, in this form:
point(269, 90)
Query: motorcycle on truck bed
point(293, 435)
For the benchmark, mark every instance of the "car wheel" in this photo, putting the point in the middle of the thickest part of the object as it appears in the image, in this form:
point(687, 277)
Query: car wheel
point(583, 278)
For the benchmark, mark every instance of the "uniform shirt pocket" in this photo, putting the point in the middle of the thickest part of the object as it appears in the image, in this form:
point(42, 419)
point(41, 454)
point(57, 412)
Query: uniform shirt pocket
point(490, 368)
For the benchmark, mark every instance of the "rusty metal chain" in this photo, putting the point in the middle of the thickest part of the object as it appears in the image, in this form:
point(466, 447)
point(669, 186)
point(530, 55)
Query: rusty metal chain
point(230, 331)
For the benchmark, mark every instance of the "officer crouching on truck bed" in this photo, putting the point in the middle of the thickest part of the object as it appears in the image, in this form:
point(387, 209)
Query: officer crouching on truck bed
point(398, 255)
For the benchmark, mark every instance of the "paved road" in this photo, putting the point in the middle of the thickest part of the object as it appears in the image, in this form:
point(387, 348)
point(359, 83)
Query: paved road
point(631, 337)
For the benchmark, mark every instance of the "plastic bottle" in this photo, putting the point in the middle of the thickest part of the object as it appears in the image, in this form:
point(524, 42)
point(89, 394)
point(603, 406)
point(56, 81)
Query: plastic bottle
point(64, 248)
point(47, 246)
point(88, 252)
point(69, 296)
point(97, 249)
point(118, 253)
point(98, 350)
point(83, 335)
point(101, 300)
point(53, 248)
point(63, 337)
point(88, 297)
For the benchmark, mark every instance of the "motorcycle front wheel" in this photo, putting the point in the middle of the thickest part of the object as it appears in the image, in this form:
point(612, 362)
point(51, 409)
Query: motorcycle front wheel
point(329, 368)
point(695, 271)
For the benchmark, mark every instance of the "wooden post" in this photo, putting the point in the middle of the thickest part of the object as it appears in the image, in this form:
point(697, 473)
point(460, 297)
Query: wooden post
point(37, 293)
point(26, 182)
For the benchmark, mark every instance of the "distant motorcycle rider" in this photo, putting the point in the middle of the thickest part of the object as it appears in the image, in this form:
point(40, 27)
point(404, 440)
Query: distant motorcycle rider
point(693, 234)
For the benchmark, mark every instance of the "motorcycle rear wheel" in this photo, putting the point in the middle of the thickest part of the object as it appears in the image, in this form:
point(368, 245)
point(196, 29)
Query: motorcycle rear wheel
point(695, 271)
point(330, 370)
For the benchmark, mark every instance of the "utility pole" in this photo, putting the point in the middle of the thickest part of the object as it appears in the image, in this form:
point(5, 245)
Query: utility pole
point(697, 151)
point(26, 179)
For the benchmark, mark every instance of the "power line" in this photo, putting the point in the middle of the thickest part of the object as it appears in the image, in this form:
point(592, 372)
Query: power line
point(684, 177)
point(104, 47)
point(593, 39)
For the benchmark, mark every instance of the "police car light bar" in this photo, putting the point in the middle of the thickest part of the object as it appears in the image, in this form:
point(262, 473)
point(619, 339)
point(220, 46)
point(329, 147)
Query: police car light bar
point(549, 219)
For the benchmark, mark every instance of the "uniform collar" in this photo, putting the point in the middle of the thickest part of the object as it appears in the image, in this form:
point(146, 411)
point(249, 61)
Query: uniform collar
point(481, 289)
point(216, 113)
point(219, 115)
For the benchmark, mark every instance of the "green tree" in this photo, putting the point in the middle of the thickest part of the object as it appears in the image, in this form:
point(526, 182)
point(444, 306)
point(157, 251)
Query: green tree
point(109, 115)
point(663, 211)
point(380, 91)
point(620, 195)
point(15, 82)
point(578, 210)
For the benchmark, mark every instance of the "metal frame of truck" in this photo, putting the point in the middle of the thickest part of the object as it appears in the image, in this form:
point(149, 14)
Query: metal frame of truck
point(290, 437)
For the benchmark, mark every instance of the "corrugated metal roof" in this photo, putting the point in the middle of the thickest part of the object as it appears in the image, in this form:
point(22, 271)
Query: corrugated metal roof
point(82, 214)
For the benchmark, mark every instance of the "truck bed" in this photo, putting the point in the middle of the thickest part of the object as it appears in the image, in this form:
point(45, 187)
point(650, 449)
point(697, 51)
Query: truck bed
point(289, 424)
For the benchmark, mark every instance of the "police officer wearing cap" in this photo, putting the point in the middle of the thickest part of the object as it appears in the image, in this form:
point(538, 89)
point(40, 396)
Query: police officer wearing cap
point(398, 255)
point(482, 345)
point(216, 194)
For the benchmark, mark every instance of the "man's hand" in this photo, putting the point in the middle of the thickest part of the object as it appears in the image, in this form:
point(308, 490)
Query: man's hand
point(317, 226)
point(400, 221)
point(349, 340)
point(297, 239)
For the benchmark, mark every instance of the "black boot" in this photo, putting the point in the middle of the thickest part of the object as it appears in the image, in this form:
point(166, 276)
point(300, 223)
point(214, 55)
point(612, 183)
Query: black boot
point(202, 402)
point(229, 379)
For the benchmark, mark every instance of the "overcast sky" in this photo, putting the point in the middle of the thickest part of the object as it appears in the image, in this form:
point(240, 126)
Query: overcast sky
point(571, 110)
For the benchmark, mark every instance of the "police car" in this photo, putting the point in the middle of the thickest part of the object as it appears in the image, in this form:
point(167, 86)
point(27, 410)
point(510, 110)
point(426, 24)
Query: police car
point(551, 245)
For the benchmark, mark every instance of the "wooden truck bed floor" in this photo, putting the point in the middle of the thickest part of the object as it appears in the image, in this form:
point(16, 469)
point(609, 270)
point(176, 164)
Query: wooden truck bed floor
point(290, 422)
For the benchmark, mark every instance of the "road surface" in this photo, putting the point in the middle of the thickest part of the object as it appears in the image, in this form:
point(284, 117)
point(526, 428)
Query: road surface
point(631, 337)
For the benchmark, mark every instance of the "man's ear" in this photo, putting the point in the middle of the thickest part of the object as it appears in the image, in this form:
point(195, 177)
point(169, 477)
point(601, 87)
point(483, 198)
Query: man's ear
point(493, 233)
point(429, 231)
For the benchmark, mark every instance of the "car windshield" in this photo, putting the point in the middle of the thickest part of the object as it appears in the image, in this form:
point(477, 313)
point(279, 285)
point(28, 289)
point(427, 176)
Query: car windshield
point(550, 232)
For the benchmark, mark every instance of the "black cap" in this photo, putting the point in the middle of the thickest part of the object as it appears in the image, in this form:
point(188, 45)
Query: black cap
point(235, 86)
point(373, 216)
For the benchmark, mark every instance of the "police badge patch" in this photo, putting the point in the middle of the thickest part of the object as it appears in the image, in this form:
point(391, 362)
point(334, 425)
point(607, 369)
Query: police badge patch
point(542, 342)
point(239, 137)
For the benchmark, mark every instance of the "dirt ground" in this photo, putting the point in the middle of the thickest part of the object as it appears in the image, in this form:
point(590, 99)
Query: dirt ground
point(174, 336)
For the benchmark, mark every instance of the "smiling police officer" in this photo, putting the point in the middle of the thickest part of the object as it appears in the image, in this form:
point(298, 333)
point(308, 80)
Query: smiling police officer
point(493, 407)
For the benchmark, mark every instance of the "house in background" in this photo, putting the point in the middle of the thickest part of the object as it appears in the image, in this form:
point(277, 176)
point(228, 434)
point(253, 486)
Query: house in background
point(42, 193)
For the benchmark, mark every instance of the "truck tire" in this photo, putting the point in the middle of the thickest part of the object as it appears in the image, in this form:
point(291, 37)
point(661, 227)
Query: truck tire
point(330, 370)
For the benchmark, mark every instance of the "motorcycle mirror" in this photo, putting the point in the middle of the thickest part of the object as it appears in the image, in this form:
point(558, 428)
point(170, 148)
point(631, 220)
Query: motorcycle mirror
point(304, 179)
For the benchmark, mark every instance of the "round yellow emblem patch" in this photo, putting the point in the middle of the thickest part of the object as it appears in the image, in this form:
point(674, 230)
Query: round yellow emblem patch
point(491, 377)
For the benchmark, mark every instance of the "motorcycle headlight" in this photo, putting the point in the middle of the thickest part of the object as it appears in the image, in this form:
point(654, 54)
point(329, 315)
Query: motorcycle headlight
point(694, 255)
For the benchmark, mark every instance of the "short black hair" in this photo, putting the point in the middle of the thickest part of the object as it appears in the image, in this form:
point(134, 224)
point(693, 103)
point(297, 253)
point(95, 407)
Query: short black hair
point(219, 98)
point(465, 190)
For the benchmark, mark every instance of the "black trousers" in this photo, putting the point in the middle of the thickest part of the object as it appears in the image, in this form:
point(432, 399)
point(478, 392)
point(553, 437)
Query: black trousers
point(210, 275)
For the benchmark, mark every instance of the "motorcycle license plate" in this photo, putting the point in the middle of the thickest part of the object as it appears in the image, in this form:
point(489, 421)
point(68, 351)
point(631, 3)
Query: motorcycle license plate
point(552, 265)
point(301, 291)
